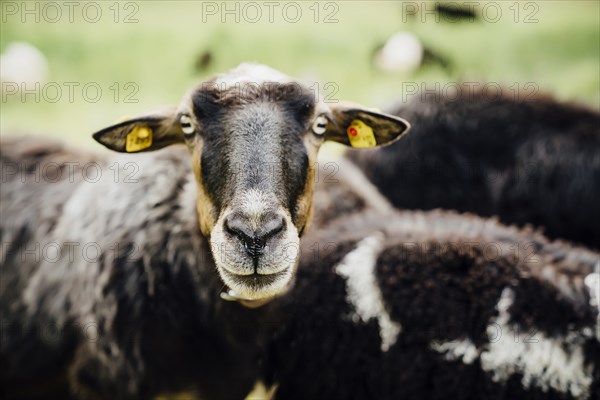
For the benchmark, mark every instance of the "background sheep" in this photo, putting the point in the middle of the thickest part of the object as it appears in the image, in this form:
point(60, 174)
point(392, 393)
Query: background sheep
point(534, 161)
point(23, 66)
point(437, 305)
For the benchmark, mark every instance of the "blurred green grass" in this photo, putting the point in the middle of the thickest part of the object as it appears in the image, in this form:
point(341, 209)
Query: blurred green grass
point(560, 53)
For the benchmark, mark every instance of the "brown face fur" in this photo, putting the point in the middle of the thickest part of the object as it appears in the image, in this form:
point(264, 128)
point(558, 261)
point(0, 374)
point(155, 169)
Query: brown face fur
point(207, 213)
point(305, 200)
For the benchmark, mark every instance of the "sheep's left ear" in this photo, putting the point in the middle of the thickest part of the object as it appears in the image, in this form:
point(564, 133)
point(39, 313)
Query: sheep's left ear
point(147, 132)
point(361, 127)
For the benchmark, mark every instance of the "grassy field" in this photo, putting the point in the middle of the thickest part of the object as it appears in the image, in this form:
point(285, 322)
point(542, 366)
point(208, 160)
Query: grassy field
point(149, 60)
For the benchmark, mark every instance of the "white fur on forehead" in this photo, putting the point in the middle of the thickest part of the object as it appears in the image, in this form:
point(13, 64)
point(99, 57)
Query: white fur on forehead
point(251, 73)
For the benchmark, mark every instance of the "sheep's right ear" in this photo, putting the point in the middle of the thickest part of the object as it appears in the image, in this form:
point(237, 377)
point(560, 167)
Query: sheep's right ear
point(148, 132)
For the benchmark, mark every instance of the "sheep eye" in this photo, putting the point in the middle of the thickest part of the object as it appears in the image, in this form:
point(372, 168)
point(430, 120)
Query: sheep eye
point(320, 125)
point(186, 125)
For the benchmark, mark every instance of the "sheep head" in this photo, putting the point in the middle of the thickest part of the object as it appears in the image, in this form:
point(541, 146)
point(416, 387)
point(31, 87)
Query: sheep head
point(253, 134)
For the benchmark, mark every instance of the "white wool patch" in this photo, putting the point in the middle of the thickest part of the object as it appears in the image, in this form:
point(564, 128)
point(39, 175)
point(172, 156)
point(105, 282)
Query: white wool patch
point(251, 73)
point(592, 282)
point(357, 268)
point(542, 361)
point(464, 350)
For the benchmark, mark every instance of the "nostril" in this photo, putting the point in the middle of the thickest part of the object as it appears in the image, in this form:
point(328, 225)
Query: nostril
point(236, 227)
point(271, 227)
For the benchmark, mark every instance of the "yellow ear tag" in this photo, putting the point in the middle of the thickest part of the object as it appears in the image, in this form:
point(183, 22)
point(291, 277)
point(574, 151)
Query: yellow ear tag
point(361, 135)
point(138, 139)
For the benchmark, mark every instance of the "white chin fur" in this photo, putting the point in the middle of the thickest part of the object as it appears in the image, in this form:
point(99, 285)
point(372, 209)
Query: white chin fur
point(258, 292)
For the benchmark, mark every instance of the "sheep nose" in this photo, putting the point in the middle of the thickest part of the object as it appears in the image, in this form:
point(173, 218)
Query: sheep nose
point(254, 240)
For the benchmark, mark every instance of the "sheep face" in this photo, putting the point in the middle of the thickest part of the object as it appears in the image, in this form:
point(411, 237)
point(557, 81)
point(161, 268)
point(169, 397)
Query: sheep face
point(253, 135)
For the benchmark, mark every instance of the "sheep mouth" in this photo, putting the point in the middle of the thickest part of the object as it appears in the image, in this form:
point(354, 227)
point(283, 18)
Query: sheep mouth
point(257, 286)
point(255, 280)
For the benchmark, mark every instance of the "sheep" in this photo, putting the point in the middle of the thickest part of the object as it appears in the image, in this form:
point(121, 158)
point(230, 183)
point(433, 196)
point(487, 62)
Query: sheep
point(437, 305)
point(528, 160)
point(23, 66)
point(403, 52)
point(238, 208)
